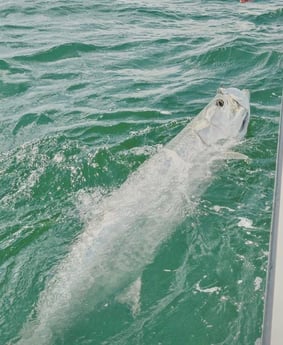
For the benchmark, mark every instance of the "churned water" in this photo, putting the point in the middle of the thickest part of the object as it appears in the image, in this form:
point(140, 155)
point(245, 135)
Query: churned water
point(88, 91)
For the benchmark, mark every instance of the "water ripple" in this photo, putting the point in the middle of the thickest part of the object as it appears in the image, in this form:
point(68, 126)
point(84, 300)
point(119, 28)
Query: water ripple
point(88, 91)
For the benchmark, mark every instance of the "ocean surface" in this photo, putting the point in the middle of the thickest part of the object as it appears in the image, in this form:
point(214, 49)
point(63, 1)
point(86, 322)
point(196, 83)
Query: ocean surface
point(89, 90)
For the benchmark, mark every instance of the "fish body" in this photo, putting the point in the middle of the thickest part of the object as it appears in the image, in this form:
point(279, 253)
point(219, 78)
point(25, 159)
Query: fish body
point(131, 223)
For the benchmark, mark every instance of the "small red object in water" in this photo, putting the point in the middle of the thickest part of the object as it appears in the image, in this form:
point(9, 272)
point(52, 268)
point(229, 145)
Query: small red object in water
point(245, 0)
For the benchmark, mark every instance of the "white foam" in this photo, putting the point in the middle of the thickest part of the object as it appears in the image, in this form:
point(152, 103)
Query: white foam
point(58, 158)
point(257, 283)
point(214, 289)
point(165, 112)
point(245, 223)
point(217, 208)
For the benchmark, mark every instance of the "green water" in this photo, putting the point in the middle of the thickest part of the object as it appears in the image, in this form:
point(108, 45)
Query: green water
point(88, 90)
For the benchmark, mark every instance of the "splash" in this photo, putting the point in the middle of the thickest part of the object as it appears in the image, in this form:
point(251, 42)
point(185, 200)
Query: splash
point(128, 226)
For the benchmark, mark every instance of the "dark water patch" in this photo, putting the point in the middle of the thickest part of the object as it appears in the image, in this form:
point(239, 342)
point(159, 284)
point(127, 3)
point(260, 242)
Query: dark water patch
point(16, 27)
point(59, 8)
point(162, 272)
point(4, 65)
point(267, 100)
point(127, 46)
point(267, 130)
point(239, 51)
point(28, 161)
point(155, 134)
point(155, 13)
point(74, 114)
point(43, 119)
point(28, 119)
point(23, 8)
point(126, 134)
point(270, 17)
point(25, 121)
point(11, 9)
point(181, 102)
point(8, 89)
point(59, 76)
point(12, 68)
point(64, 10)
point(59, 52)
point(84, 330)
point(60, 166)
point(245, 259)
point(40, 233)
point(78, 86)
point(162, 45)
point(22, 238)
point(270, 58)
point(88, 130)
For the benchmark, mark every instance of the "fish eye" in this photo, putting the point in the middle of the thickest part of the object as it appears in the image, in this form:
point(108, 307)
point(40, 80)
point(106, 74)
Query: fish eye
point(219, 102)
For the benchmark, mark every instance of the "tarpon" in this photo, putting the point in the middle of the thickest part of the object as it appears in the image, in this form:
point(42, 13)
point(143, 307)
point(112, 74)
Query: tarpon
point(131, 223)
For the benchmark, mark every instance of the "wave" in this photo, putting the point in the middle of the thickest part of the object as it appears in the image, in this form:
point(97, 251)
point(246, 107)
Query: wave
point(58, 52)
point(269, 17)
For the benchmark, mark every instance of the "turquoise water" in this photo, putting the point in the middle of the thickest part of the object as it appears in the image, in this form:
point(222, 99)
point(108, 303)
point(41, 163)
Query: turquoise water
point(88, 91)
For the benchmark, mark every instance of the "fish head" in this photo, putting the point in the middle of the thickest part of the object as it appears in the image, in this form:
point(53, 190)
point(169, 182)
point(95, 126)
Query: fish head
point(226, 116)
point(236, 105)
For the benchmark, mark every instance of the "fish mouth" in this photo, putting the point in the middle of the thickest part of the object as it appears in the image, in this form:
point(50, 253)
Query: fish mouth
point(244, 123)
